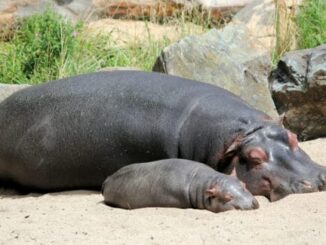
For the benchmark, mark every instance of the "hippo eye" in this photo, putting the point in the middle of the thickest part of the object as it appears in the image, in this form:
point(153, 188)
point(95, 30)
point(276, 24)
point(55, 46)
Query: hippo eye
point(256, 156)
point(209, 199)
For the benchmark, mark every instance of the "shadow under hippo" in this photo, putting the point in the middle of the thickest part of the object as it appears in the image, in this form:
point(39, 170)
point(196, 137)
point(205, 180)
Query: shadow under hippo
point(74, 132)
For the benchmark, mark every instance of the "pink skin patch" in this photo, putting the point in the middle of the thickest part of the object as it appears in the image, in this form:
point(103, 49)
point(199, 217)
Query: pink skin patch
point(215, 192)
point(212, 192)
point(293, 141)
point(266, 185)
point(257, 155)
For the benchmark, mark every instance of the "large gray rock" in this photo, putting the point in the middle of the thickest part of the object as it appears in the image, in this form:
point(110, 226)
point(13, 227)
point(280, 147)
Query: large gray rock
point(263, 17)
point(73, 10)
point(135, 9)
point(299, 91)
point(229, 58)
point(8, 89)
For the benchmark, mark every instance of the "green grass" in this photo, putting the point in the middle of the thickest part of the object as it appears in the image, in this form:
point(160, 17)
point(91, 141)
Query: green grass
point(37, 47)
point(311, 23)
point(305, 29)
point(45, 47)
point(95, 53)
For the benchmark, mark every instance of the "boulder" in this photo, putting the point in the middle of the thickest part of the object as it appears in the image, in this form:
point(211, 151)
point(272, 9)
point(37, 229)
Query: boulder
point(73, 10)
point(8, 89)
point(229, 58)
point(298, 86)
point(263, 17)
point(86, 10)
point(119, 68)
point(136, 9)
point(237, 56)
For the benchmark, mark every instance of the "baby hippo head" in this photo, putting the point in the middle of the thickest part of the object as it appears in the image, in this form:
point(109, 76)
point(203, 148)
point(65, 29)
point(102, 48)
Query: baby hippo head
point(228, 194)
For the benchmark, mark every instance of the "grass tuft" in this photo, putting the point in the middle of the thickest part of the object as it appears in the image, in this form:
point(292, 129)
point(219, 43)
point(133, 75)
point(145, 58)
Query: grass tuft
point(46, 47)
point(37, 47)
point(285, 30)
point(311, 22)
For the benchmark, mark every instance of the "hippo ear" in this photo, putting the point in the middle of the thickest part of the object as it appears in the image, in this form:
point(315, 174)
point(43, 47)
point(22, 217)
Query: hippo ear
point(257, 155)
point(229, 158)
point(278, 120)
point(233, 171)
point(233, 146)
point(293, 141)
point(212, 192)
point(215, 193)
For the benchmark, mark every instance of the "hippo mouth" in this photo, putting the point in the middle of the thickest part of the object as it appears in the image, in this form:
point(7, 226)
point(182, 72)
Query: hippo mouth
point(303, 186)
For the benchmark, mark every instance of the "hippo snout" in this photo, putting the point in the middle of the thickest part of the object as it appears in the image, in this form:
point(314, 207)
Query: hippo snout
point(253, 204)
point(305, 186)
point(315, 184)
point(243, 200)
point(231, 195)
point(302, 186)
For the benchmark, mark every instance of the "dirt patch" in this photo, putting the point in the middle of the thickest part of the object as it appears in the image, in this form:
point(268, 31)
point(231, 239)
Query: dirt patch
point(125, 32)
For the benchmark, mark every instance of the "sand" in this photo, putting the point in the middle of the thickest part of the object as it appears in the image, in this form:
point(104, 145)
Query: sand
point(81, 217)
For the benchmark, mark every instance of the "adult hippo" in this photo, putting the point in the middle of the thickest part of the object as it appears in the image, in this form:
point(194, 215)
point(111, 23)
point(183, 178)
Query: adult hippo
point(73, 133)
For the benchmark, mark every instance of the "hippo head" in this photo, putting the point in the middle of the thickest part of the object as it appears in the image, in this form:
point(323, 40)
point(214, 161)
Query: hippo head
point(228, 194)
point(270, 162)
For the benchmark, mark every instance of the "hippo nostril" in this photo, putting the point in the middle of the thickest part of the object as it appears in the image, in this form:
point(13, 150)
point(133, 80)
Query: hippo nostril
point(305, 186)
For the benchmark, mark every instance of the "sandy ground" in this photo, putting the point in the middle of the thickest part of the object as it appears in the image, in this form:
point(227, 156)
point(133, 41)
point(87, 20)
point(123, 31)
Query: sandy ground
point(81, 217)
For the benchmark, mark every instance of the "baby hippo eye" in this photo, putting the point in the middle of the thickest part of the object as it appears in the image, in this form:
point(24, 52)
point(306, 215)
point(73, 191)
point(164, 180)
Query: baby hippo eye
point(226, 197)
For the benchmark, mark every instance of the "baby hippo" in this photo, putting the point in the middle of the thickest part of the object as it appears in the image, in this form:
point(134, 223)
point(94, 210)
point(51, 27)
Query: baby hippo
point(175, 183)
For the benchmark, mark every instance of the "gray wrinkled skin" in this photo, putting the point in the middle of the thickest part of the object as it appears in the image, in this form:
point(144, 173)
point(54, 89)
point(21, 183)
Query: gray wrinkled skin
point(285, 170)
point(73, 133)
point(175, 183)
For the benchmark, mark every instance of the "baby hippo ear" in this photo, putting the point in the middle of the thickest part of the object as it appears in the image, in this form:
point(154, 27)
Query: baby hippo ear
point(215, 193)
point(257, 155)
point(212, 191)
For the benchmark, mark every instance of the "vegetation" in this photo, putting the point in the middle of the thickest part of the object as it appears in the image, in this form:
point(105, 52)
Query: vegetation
point(45, 47)
point(311, 23)
point(38, 47)
point(305, 29)
point(284, 29)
